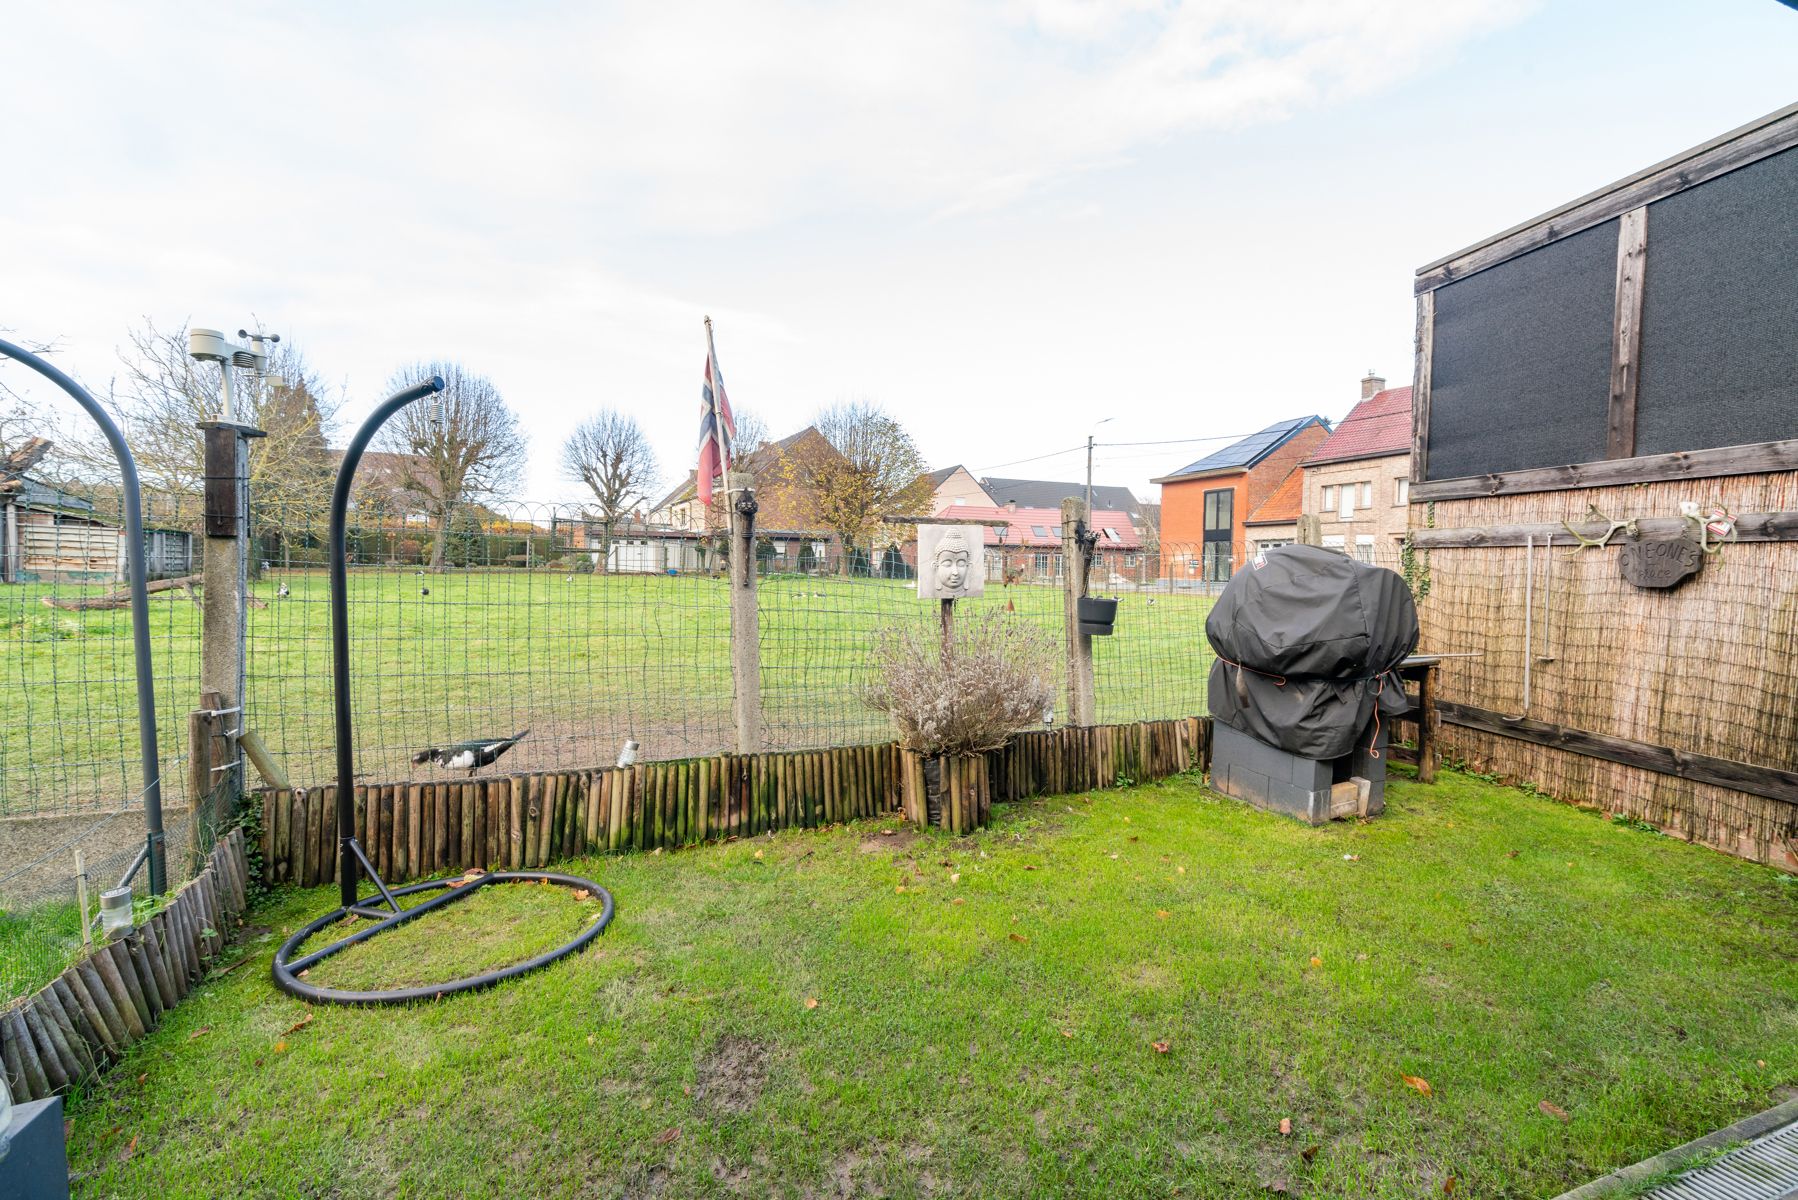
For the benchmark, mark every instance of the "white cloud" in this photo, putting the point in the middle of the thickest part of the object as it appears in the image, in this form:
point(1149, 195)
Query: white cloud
point(555, 192)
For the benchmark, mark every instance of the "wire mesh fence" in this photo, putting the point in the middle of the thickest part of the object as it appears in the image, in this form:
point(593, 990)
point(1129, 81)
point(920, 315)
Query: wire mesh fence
point(520, 627)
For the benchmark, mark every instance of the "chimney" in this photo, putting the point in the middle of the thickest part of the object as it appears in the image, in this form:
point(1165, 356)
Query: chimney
point(1371, 385)
point(1011, 506)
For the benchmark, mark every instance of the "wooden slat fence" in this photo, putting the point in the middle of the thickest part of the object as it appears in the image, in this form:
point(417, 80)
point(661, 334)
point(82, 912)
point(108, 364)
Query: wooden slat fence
point(84, 1019)
point(511, 822)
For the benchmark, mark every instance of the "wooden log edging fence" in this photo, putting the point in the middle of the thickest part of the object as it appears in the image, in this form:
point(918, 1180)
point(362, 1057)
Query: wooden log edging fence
point(529, 821)
point(82, 1021)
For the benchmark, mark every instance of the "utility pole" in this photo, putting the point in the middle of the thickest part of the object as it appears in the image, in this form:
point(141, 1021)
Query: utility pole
point(1089, 470)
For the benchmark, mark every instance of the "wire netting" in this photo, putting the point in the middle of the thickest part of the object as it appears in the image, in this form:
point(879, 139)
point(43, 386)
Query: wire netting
point(507, 622)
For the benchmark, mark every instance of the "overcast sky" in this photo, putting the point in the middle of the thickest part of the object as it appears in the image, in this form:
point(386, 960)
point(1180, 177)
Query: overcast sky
point(1003, 222)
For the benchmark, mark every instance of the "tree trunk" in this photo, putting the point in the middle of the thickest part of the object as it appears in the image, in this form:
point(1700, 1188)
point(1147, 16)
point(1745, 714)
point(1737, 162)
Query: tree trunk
point(440, 541)
point(605, 548)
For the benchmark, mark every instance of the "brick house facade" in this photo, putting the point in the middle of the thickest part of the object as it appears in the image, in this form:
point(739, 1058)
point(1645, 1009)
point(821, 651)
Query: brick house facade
point(1206, 505)
point(1356, 484)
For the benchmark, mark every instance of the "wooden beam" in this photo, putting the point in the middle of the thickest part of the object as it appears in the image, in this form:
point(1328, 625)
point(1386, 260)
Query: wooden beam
point(1420, 387)
point(1626, 332)
point(1752, 459)
point(1753, 527)
point(1769, 782)
point(1768, 135)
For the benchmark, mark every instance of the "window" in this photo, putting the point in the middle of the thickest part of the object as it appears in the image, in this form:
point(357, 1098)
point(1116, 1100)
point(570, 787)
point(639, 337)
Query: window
point(1335, 542)
point(1346, 509)
point(1058, 531)
point(1220, 531)
point(1401, 491)
point(1111, 535)
point(1367, 495)
point(998, 532)
point(1272, 544)
point(1039, 530)
point(1042, 564)
point(1364, 547)
point(1329, 498)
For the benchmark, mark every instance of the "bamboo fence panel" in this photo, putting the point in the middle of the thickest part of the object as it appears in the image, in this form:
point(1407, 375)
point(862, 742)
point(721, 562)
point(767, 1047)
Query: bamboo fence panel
point(534, 820)
point(83, 1020)
point(1707, 668)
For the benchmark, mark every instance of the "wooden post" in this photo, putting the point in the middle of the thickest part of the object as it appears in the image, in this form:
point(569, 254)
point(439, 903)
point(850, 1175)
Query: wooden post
point(745, 625)
point(1076, 558)
point(225, 587)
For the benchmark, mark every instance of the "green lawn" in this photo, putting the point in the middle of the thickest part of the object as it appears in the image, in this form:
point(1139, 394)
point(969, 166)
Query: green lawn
point(581, 660)
point(989, 1016)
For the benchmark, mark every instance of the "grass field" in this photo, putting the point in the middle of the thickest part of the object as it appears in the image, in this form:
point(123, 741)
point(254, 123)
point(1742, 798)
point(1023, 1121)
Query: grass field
point(581, 660)
point(1116, 995)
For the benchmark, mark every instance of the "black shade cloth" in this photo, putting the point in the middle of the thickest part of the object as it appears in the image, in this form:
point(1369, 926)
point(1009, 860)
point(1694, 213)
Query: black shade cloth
point(1308, 641)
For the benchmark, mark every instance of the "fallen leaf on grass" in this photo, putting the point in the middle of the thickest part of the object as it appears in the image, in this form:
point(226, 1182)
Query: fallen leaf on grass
point(1351, 858)
point(581, 893)
point(300, 1024)
point(1180, 870)
point(1135, 839)
point(1309, 1152)
point(1161, 1047)
point(129, 1149)
point(1554, 1110)
point(1114, 858)
point(1448, 1186)
point(955, 877)
point(668, 1135)
point(1030, 866)
point(811, 1002)
point(1277, 1186)
point(958, 900)
point(1422, 1085)
point(1316, 961)
point(758, 853)
point(1067, 1033)
point(900, 888)
point(280, 1047)
point(1285, 1126)
point(144, 1078)
point(1512, 854)
point(883, 833)
point(1018, 937)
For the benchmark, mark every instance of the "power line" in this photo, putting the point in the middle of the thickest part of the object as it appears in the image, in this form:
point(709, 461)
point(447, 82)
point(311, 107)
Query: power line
point(1401, 415)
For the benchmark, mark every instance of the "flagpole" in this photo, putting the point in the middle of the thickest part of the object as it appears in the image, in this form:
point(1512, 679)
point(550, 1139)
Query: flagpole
point(711, 357)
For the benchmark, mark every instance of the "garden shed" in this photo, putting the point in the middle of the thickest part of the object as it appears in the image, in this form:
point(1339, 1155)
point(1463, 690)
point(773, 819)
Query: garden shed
point(52, 536)
point(1604, 499)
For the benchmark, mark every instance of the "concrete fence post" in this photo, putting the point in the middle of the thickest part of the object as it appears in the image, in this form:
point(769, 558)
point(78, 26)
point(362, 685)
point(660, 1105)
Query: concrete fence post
point(225, 587)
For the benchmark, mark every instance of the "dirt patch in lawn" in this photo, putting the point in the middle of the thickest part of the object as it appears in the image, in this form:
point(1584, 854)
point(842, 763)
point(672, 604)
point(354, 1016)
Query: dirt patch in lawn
point(897, 840)
point(731, 1078)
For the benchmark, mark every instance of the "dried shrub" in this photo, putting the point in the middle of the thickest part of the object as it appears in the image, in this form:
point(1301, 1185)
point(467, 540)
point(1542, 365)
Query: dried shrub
point(996, 676)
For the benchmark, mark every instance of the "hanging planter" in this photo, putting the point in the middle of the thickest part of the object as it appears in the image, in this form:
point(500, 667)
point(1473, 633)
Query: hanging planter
point(1097, 615)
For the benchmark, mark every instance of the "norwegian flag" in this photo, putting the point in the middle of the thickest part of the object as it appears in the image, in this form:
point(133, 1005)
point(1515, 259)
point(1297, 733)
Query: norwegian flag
point(716, 426)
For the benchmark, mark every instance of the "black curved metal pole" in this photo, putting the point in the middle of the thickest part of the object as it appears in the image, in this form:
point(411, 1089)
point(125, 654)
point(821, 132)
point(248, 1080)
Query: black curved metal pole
point(140, 607)
point(340, 630)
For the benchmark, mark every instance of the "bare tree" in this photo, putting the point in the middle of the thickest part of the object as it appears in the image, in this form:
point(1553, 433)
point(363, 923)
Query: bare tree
point(609, 454)
point(876, 472)
point(162, 395)
point(752, 432)
point(460, 446)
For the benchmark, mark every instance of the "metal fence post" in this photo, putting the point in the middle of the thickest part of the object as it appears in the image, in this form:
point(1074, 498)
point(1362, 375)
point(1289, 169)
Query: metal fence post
point(745, 618)
point(225, 586)
point(1076, 553)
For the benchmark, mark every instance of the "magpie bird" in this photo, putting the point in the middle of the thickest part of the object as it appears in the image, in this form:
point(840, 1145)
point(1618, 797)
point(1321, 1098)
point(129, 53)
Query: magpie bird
point(468, 756)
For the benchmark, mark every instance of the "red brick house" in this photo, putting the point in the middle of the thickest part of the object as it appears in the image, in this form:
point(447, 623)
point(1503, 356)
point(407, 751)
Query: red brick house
point(1206, 505)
